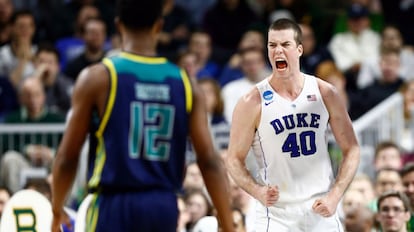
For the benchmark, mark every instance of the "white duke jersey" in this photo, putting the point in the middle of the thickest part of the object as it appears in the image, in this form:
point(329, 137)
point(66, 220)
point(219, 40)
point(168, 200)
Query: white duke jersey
point(290, 144)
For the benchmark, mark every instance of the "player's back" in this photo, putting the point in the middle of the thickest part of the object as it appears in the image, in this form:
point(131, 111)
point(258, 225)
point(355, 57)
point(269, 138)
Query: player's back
point(139, 143)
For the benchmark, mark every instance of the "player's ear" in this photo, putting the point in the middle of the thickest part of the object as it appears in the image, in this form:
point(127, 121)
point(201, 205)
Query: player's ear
point(300, 49)
point(158, 26)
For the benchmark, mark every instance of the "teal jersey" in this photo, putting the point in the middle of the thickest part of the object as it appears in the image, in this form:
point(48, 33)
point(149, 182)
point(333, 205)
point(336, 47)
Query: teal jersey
point(139, 143)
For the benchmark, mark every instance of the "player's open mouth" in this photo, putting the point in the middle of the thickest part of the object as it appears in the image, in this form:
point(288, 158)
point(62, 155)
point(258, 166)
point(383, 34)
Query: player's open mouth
point(281, 64)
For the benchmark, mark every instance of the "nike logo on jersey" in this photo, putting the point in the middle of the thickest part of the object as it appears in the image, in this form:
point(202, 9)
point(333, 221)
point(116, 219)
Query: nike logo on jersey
point(268, 103)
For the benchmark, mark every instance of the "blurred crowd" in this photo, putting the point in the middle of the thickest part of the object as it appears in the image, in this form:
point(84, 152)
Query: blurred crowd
point(365, 48)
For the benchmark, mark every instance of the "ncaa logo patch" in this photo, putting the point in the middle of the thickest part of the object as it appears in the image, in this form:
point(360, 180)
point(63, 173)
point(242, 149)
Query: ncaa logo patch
point(268, 95)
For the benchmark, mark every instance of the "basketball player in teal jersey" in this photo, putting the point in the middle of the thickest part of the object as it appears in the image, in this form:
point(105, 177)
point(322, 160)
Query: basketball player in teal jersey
point(144, 107)
point(285, 120)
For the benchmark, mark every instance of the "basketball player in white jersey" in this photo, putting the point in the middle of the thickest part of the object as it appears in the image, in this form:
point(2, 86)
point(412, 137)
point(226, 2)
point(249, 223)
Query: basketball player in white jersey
point(285, 120)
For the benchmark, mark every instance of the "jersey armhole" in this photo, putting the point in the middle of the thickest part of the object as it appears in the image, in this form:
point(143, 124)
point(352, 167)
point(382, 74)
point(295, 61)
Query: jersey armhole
point(111, 96)
point(188, 91)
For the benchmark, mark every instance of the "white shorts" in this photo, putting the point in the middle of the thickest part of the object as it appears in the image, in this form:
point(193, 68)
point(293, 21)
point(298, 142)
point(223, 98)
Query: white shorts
point(294, 218)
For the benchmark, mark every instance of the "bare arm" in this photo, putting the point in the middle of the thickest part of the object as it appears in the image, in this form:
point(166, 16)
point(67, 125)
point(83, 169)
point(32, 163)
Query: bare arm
point(66, 162)
point(343, 131)
point(210, 163)
point(243, 127)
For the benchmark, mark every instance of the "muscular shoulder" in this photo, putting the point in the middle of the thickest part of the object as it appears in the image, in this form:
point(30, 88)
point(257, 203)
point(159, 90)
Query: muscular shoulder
point(252, 98)
point(331, 98)
point(327, 90)
point(93, 76)
point(249, 106)
point(92, 85)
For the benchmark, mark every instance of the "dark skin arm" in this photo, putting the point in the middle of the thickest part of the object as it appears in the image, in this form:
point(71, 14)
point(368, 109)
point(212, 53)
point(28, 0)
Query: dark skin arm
point(209, 161)
point(90, 91)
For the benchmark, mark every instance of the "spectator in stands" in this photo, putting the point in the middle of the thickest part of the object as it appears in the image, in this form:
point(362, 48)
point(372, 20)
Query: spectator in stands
point(245, 203)
point(393, 211)
point(33, 105)
point(189, 62)
point(198, 206)
point(176, 30)
point(407, 176)
point(226, 14)
point(388, 83)
point(193, 178)
point(364, 185)
point(6, 12)
point(390, 39)
point(359, 42)
point(219, 126)
point(407, 142)
point(314, 54)
point(254, 69)
point(232, 70)
point(16, 56)
point(359, 219)
point(400, 13)
point(71, 45)
point(48, 17)
point(183, 215)
point(94, 36)
point(29, 149)
point(72, 9)
point(39, 184)
point(387, 155)
point(352, 199)
point(239, 220)
point(386, 179)
point(200, 44)
point(5, 195)
point(57, 86)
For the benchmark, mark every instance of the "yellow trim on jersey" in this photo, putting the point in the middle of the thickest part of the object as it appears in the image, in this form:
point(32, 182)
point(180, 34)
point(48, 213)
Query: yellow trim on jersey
point(143, 59)
point(188, 91)
point(92, 214)
point(100, 149)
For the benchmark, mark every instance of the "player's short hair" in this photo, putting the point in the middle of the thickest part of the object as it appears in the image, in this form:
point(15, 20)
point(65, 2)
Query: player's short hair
point(138, 15)
point(284, 24)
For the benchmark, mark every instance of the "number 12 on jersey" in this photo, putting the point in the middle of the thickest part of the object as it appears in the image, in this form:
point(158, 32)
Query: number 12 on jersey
point(151, 127)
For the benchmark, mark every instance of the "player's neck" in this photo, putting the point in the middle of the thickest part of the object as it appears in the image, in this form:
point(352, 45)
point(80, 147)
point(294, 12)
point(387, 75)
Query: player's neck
point(289, 87)
point(144, 46)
